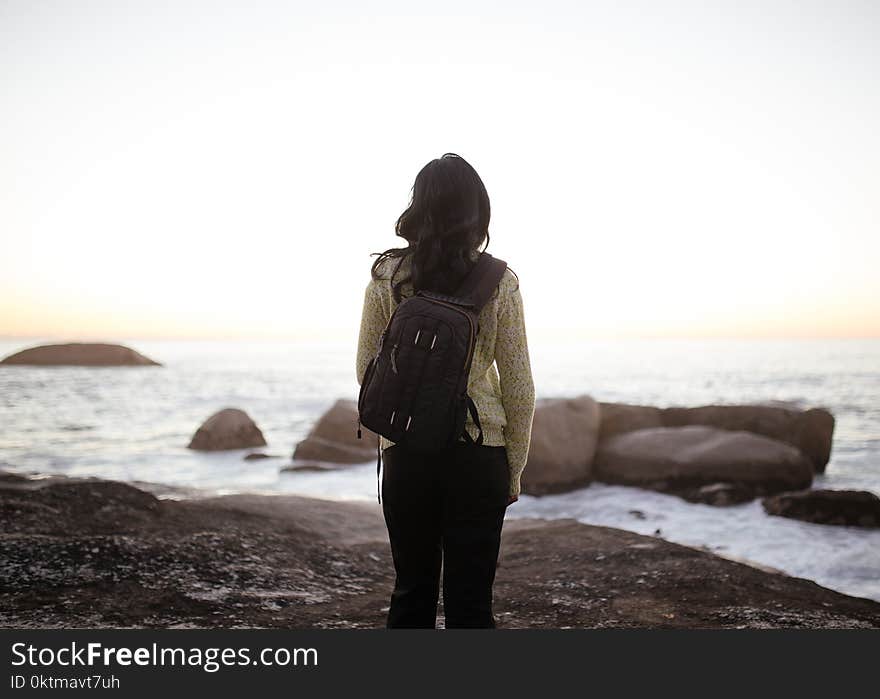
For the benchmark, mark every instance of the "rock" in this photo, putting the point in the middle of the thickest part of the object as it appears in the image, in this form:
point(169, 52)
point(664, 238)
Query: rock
point(564, 436)
point(309, 466)
point(719, 494)
point(57, 505)
point(858, 508)
point(334, 438)
point(257, 455)
point(811, 431)
point(617, 418)
point(82, 554)
point(682, 459)
point(79, 354)
point(228, 429)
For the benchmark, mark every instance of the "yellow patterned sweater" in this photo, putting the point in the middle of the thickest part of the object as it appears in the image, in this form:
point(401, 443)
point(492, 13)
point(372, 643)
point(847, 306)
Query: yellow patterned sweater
point(500, 381)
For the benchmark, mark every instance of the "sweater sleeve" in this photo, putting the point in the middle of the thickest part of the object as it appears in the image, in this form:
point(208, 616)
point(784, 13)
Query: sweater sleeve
point(517, 385)
point(373, 321)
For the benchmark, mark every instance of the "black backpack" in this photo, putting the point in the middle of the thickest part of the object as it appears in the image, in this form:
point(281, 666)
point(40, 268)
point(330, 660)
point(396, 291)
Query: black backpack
point(414, 391)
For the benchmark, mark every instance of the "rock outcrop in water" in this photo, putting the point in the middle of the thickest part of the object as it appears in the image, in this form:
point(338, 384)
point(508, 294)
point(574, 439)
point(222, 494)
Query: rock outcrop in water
point(857, 508)
point(79, 354)
point(811, 431)
point(714, 454)
point(681, 459)
point(230, 428)
point(257, 456)
point(97, 554)
point(334, 438)
point(564, 436)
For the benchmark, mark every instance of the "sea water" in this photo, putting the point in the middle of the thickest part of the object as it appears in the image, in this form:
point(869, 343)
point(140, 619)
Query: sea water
point(134, 423)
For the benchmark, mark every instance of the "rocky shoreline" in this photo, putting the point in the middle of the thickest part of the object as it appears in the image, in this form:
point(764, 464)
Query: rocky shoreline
point(103, 554)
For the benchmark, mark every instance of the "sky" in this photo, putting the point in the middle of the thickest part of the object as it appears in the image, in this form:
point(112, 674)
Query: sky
point(211, 169)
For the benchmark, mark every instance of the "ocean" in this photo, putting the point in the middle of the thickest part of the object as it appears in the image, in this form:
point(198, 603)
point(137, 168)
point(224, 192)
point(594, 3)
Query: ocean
point(133, 424)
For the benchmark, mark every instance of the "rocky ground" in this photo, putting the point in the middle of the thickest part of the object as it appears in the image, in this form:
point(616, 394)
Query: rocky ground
point(102, 554)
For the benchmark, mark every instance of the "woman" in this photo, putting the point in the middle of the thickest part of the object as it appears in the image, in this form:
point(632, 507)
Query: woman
point(447, 506)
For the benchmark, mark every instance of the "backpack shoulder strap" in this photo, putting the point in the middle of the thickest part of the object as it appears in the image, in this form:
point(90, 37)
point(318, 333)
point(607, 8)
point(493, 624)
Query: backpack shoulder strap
point(481, 281)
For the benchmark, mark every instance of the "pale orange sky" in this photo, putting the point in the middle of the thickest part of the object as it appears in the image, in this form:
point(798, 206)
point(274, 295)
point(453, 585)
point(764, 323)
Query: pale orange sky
point(671, 169)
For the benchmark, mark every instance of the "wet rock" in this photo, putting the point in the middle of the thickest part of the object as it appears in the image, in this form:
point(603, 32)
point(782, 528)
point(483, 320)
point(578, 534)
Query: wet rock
point(230, 428)
point(719, 494)
point(858, 508)
point(309, 466)
point(258, 455)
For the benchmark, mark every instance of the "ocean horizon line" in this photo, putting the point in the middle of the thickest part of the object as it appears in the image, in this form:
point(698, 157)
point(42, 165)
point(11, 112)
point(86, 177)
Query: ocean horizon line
point(108, 338)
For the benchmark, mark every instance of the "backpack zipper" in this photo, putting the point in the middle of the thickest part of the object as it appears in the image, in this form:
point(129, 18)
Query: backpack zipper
point(470, 324)
point(393, 362)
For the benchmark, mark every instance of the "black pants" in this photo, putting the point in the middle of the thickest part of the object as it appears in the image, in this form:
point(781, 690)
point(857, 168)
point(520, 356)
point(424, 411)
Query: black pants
point(444, 506)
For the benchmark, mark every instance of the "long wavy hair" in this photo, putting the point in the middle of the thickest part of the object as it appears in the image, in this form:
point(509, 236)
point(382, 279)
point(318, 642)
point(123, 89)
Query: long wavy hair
point(445, 225)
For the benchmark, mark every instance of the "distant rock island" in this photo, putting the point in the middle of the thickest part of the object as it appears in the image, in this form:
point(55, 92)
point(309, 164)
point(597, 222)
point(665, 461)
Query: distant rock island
point(79, 354)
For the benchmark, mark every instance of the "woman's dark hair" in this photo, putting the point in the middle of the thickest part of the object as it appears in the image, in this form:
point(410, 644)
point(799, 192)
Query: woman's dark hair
point(446, 221)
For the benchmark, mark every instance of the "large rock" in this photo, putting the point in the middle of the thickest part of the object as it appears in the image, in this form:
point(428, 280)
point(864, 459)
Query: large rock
point(847, 507)
point(684, 460)
point(811, 430)
point(564, 436)
point(618, 418)
point(79, 354)
point(231, 428)
point(334, 438)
